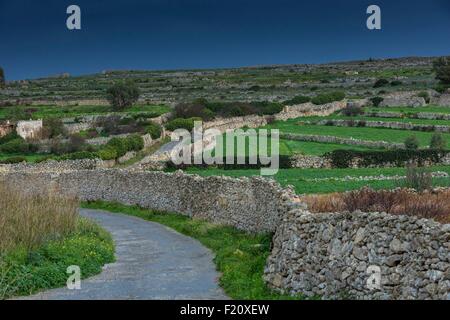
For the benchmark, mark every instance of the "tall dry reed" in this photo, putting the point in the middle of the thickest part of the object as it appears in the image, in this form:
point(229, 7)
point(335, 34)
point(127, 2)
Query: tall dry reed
point(428, 204)
point(29, 220)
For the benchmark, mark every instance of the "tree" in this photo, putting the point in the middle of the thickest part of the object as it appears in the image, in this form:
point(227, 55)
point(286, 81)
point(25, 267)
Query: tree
point(411, 143)
point(2, 78)
point(122, 95)
point(442, 68)
point(54, 128)
point(438, 142)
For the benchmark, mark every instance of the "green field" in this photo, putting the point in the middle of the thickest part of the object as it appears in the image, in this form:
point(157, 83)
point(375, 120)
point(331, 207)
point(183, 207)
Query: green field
point(290, 147)
point(433, 109)
point(301, 178)
point(28, 157)
point(372, 134)
point(367, 118)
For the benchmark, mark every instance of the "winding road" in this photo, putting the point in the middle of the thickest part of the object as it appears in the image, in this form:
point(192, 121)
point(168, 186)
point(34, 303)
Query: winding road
point(152, 262)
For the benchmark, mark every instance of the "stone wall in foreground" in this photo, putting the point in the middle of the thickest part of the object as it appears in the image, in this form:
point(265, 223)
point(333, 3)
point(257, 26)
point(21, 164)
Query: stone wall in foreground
point(324, 254)
point(250, 204)
point(334, 255)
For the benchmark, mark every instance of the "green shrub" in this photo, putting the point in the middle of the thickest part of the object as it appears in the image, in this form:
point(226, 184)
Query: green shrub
point(438, 142)
point(108, 153)
point(134, 142)
point(12, 160)
point(154, 130)
point(380, 83)
point(424, 95)
point(267, 108)
point(17, 145)
point(412, 143)
point(328, 97)
point(396, 83)
point(180, 123)
point(418, 178)
point(298, 100)
point(10, 136)
point(53, 127)
point(441, 88)
point(376, 101)
point(120, 145)
point(196, 109)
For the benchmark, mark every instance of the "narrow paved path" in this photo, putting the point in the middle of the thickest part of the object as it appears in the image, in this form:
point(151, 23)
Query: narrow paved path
point(152, 262)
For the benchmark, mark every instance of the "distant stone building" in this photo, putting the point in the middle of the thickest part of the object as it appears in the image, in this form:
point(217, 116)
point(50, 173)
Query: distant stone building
point(29, 129)
point(6, 128)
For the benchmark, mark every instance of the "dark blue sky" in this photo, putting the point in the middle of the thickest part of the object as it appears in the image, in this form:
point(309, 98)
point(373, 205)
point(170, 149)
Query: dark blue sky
point(172, 34)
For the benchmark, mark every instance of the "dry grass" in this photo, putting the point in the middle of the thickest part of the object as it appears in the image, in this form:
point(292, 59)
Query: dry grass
point(428, 204)
point(28, 221)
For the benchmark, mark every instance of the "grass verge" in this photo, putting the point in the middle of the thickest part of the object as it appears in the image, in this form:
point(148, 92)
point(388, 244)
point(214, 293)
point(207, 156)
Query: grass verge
point(239, 256)
point(24, 272)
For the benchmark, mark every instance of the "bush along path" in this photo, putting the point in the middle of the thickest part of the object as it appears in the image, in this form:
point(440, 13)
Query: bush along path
point(152, 262)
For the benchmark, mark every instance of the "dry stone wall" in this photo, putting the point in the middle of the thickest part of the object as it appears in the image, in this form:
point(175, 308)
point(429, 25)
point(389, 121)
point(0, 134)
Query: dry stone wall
point(310, 109)
point(333, 256)
point(289, 112)
point(250, 204)
point(403, 99)
point(313, 254)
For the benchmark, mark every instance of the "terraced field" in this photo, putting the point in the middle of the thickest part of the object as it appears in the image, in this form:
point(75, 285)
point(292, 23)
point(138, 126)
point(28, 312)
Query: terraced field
point(338, 180)
point(411, 110)
point(331, 180)
point(373, 134)
point(45, 112)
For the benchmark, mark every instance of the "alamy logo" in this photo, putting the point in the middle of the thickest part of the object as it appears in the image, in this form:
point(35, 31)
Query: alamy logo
point(74, 280)
point(374, 20)
point(239, 146)
point(73, 22)
point(374, 280)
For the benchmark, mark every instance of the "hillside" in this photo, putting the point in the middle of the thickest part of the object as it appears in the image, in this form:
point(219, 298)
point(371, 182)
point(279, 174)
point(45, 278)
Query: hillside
point(276, 82)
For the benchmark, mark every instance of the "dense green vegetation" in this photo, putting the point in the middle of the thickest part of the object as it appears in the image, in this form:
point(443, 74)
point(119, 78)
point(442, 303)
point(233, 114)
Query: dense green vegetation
point(345, 158)
point(442, 68)
point(239, 256)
